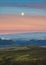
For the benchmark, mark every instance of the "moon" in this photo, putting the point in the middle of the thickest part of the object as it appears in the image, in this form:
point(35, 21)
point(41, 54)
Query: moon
point(22, 13)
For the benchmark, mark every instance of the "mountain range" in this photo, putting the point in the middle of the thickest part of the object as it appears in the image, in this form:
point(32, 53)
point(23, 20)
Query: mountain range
point(25, 36)
point(23, 39)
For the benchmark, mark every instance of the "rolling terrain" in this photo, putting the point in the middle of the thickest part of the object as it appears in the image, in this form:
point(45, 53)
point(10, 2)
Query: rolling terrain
point(26, 55)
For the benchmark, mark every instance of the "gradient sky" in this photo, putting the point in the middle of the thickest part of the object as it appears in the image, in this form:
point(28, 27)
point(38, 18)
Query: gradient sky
point(11, 20)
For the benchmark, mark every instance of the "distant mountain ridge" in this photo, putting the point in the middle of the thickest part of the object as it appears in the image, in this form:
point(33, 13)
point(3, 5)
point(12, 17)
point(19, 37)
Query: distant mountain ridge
point(23, 39)
point(25, 36)
point(20, 42)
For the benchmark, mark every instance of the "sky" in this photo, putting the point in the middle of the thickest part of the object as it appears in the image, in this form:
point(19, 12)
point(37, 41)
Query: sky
point(12, 21)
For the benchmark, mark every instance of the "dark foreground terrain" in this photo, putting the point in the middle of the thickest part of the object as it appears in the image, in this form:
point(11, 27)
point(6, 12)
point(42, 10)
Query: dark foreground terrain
point(23, 56)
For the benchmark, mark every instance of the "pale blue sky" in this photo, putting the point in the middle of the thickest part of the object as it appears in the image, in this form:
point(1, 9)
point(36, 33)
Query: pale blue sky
point(23, 1)
point(18, 10)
